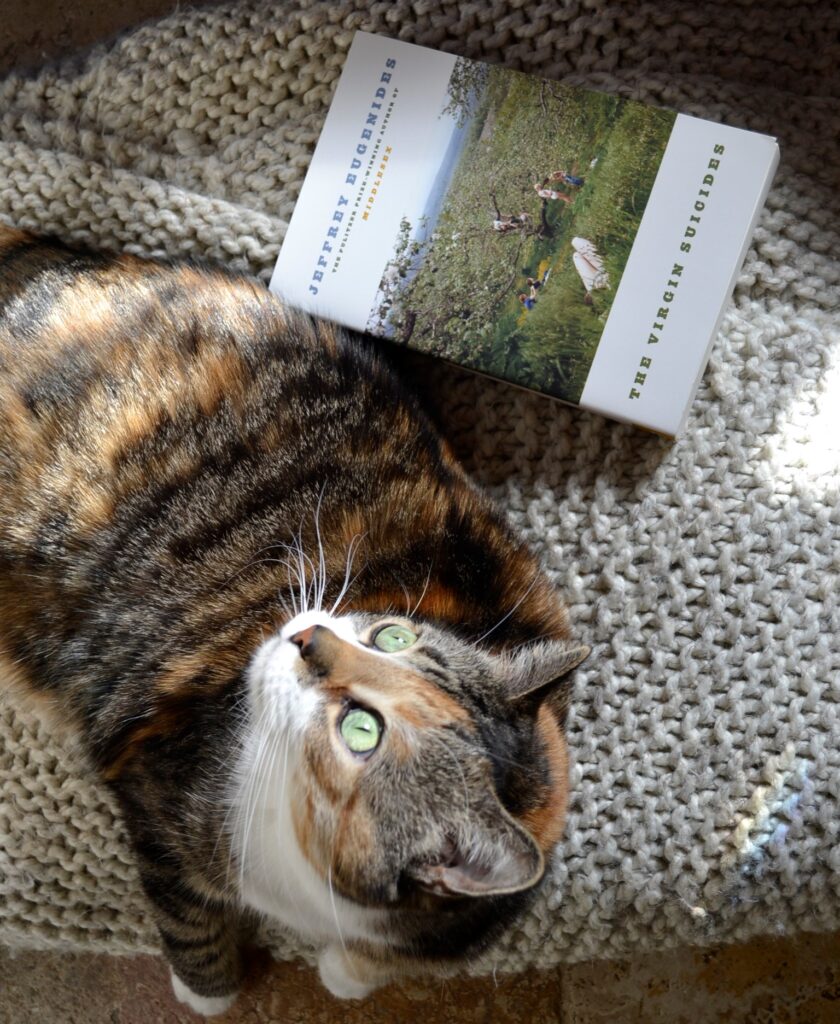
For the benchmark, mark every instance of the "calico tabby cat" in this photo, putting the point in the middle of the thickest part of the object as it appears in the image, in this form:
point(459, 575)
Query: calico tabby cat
point(310, 659)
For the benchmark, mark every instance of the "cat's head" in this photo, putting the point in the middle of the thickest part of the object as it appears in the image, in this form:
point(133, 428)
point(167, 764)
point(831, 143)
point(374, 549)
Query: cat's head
point(391, 762)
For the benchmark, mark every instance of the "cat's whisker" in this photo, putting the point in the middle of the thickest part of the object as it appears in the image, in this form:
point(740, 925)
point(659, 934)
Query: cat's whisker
point(344, 595)
point(500, 757)
point(250, 565)
point(355, 544)
point(293, 895)
point(419, 601)
point(529, 641)
point(335, 909)
point(504, 618)
point(256, 823)
point(221, 833)
point(253, 560)
point(241, 809)
point(322, 564)
point(234, 806)
point(294, 585)
point(295, 607)
point(221, 830)
point(304, 561)
point(295, 575)
point(256, 776)
point(304, 583)
point(478, 748)
point(262, 789)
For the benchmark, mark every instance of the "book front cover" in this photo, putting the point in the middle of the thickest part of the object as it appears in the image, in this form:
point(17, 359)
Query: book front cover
point(565, 240)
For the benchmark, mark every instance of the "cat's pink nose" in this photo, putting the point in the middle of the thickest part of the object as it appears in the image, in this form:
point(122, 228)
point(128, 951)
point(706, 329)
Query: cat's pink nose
point(319, 647)
point(305, 640)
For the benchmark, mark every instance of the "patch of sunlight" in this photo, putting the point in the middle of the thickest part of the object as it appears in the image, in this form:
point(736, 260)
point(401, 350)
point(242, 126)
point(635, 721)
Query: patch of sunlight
point(807, 448)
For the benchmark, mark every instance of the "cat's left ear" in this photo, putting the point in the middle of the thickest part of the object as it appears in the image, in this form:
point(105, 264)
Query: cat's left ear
point(537, 673)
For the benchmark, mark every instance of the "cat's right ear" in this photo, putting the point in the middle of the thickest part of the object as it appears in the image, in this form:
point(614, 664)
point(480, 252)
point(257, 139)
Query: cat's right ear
point(537, 673)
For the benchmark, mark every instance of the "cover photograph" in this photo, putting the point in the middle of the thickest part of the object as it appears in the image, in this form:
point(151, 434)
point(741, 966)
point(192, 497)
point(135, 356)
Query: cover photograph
point(565, 240)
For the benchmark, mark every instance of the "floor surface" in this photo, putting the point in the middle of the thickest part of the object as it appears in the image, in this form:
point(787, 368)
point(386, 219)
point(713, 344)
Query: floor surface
point(767, 982)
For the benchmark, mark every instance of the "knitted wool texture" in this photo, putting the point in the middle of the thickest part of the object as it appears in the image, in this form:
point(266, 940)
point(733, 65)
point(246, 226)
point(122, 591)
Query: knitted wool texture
point(706, 735)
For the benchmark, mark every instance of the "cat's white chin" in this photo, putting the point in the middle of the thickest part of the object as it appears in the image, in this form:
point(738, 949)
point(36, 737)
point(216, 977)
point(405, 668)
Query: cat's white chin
point(337, 977)
point(207, 1006)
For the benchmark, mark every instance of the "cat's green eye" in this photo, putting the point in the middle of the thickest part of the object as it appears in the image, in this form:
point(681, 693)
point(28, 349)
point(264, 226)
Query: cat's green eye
point(393, 639)
point(361, 730)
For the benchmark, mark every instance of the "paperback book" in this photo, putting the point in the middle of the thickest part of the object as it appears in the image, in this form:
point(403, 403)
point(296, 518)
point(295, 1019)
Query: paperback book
point(565, 240)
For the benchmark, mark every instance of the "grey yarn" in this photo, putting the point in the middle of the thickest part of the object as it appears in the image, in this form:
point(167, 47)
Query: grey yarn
point(705, 573)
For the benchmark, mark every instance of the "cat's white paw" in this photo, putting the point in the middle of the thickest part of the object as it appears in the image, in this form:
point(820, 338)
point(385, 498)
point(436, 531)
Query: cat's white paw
point(337, 978)
point(207, 1006)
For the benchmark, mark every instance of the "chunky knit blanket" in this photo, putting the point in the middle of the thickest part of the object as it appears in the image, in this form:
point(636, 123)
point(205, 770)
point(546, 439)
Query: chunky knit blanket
point(706, 732)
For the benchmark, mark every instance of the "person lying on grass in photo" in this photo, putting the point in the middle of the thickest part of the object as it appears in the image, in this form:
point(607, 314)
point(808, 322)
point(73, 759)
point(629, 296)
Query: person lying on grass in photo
point(590, 267)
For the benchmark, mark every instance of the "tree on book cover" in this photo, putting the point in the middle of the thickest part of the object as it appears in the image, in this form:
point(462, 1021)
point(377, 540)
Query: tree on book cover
point(513, 266)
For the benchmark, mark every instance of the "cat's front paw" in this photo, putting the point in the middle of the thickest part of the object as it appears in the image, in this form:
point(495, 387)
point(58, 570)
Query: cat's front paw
point(339, 977)
point(207, 1006)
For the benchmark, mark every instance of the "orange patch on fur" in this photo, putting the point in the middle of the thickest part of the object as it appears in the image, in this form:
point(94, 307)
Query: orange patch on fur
point(328, 338)
point(351, 527)
point(16, 681)
point(181, 671)
point(546, 821)
point(428, 707)
point(335, 832)
point(315, 821)
point(82, 308)
point(93, 506)
point(397, 693)
point(303, 822)
point(354, 845)
point(19, 424)
point(135, 422)
point(165, 721)
point(439, 602)
point(218, 376)
point(321, 762)
point(212, 664)
point(11, 236)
